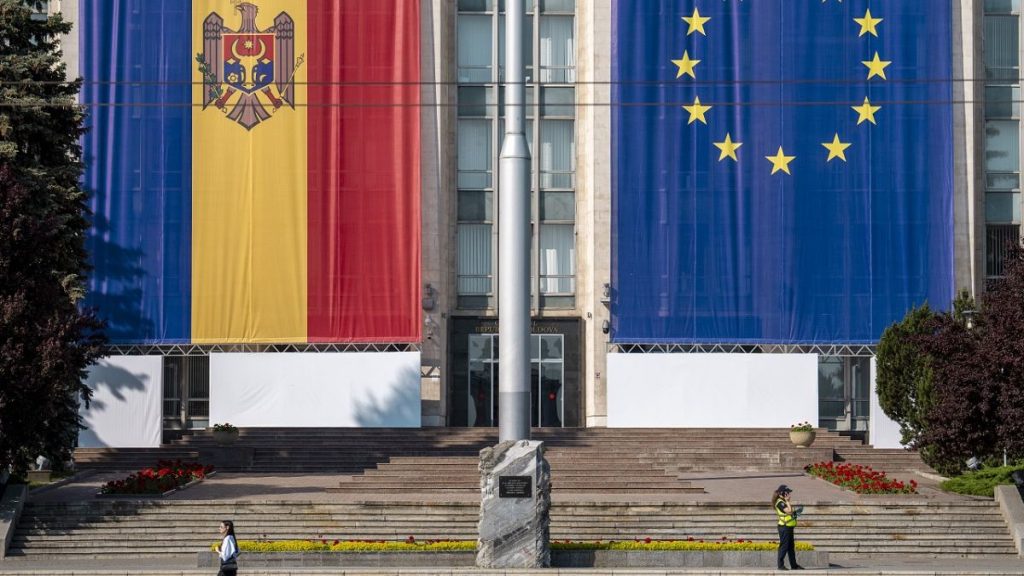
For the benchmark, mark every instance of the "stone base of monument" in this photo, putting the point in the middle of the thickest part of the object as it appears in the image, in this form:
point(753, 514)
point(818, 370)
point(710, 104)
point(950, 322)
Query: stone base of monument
point(515, 500)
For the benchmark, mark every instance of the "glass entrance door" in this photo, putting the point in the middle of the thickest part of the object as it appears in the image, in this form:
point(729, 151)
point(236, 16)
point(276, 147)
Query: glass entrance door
point(547, 380)
point(186, 392)
point(844, 393)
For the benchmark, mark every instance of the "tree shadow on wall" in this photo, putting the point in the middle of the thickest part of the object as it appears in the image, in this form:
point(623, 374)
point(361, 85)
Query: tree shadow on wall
point(119, 381)
point(116, 285)
point(400, 408)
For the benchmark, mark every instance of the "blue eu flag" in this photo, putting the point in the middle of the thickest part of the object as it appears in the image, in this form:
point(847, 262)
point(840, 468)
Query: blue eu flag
point(782, 169)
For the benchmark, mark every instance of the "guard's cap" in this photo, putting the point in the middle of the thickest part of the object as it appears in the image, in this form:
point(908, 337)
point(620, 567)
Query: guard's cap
point(783, 489)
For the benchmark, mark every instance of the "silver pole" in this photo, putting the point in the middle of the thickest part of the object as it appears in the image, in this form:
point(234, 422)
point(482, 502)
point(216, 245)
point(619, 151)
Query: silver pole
point(514, 242)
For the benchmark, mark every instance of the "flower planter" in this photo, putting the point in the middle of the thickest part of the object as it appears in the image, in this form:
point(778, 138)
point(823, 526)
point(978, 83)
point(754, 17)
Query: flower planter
point(802, 439)
point(559, 559)
point(39, 475)
point(225, 437)
point(128, 496)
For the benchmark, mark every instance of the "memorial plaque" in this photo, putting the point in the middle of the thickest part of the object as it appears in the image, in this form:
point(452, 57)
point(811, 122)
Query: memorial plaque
point(515, 487)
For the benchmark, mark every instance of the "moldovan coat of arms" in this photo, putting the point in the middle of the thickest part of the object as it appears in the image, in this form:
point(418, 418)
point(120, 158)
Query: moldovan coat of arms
point(248, 71)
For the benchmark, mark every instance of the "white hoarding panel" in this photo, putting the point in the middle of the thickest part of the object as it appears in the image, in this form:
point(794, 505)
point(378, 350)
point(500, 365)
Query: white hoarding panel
point(125, 411)
point(349, 389)
point(883, 432)
point(712, 390)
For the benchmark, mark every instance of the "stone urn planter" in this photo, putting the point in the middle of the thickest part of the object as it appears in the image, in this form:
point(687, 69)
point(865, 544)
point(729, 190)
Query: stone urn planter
point(802, 438)
point(225, 437)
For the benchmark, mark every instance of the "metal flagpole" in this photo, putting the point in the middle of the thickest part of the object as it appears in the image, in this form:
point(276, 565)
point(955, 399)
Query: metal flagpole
point(514, 242)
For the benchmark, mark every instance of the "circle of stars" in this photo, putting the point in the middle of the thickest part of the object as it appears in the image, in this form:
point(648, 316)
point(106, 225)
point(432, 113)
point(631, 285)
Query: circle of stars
point(687, 66)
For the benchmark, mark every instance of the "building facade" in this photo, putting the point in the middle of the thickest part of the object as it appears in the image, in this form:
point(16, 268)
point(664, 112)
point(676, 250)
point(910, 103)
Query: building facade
point(585, 373)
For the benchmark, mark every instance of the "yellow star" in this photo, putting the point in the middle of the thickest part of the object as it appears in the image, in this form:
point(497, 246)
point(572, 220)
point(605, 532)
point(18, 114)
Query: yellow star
point(686, 65)
point(781, 162)
point(876, 67)
point(728, 148)
point(836, 149)
point(696, 22)
point(868, 24)
point(697, 110)
point(866, 111)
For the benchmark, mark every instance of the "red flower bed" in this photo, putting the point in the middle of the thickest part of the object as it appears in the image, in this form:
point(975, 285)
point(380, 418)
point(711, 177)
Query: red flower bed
point(860, 479)
point(166, 475)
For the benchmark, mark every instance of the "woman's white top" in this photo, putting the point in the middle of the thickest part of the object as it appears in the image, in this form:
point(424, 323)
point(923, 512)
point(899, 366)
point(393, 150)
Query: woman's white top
point(228, 548)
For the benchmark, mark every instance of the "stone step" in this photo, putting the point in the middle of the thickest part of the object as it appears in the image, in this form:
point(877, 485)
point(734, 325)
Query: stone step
point(354, 450)
point(908, 508)
point(682, 523)
point(256, 528)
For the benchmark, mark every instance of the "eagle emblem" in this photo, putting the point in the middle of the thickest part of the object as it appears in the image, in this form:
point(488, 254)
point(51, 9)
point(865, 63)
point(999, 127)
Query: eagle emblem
point(248, 73)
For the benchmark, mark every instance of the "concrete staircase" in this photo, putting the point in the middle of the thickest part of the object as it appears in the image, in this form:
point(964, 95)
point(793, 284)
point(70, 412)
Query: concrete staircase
point(135, 529)
point(357, 451)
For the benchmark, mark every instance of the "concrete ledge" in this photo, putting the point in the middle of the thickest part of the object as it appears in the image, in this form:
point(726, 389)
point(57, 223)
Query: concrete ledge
point(11, 504)
point(559, 559)
point(58, 483)
point(228, 458)
point(1012, 507)
point(673, 559)
point(348, 559)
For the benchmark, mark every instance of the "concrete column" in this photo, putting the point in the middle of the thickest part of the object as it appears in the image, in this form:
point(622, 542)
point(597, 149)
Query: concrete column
point(593, 189)
point(437, 62)
point(968, 146)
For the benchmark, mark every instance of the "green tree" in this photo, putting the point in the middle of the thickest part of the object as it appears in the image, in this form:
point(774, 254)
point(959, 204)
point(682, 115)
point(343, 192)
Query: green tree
point(904, 377)
point(46, 340)
point(1003, 346)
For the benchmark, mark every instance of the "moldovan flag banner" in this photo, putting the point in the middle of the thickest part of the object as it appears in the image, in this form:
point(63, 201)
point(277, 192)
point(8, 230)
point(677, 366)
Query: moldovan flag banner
point(255, 169)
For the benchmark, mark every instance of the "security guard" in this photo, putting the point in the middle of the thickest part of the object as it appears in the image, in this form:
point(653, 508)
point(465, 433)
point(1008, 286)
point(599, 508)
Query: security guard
point(787, 522)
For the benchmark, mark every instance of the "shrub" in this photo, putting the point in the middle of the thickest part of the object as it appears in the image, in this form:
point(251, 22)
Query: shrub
point(225, 427)
point(165, 476)
point(860, 479)
point(802, 427)
point(981, 482)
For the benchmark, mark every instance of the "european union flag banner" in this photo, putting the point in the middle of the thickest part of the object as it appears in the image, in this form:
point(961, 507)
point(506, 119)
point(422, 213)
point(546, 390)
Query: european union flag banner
point(782, 169)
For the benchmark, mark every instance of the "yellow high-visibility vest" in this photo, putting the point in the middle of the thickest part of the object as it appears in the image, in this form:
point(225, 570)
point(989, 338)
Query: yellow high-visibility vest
point(784, 519)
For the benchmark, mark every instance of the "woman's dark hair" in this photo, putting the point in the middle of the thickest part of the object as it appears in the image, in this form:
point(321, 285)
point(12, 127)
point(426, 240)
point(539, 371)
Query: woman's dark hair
point(775, 497)
point(231, 527)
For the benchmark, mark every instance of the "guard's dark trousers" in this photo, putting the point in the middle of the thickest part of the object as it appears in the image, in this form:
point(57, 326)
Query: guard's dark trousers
point(787, 545)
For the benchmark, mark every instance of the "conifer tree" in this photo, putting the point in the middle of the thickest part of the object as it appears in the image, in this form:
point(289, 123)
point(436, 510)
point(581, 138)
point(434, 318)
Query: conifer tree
point(46, 339)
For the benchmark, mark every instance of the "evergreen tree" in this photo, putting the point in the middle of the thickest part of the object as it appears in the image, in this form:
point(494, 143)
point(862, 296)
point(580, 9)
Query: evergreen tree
point(46, 340)
point(904, 377)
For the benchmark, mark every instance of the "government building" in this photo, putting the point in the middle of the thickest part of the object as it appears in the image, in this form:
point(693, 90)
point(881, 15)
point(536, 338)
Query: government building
point(295, 205)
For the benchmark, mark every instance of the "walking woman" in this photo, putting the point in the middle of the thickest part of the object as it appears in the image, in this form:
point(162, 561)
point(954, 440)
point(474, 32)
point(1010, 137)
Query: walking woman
point(787, 523)
point(228, 549)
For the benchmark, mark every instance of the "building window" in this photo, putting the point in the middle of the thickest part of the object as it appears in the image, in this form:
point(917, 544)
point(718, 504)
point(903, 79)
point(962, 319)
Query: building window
point(475, 42)
point(998, 240)
point(1002, 131)
point(557, 260)
point(549, 34)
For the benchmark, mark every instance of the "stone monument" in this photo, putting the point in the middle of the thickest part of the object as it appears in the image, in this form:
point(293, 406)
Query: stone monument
point(515, 499)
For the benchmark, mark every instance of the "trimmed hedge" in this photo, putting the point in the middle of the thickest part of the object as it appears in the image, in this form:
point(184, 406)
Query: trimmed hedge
point(470, 545)
point(981, 482)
